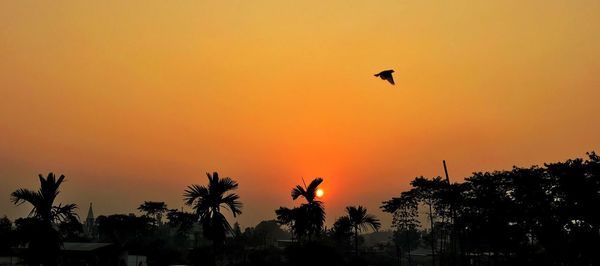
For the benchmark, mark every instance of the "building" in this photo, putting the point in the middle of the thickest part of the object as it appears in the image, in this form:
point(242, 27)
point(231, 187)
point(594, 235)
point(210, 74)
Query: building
point(89, 226)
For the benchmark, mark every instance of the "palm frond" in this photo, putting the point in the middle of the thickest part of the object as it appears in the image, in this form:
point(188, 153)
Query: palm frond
point(233, 204)
point(64, 212)
point(297, 192)
point(49, 186)
point(284, 215)
point(312, 187)
point(22, 195)
point(370, 221)
point(361, 219)
point(193, 193)
point(212, 178)
point(227, 184)
point(34, 198)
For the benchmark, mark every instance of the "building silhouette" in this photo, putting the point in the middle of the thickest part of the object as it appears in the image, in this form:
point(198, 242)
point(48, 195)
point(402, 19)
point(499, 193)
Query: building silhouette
point(89, 226)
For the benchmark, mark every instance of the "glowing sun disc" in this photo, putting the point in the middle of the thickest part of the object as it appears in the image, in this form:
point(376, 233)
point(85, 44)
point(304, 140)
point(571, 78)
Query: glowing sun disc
point(320, 193)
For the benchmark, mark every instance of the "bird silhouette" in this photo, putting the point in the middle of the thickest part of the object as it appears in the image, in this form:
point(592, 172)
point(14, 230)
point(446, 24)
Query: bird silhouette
point(386, 75)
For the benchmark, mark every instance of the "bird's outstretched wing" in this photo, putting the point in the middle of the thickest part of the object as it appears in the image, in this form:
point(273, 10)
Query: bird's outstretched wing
point(390, 79)
point(386, 75)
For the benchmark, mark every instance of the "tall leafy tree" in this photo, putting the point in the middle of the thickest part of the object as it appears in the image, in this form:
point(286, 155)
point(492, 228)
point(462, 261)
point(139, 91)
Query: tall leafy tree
point(45, 244)
point(128, 231)
point(428, 192)
point(207, 202)
point(405, 218)
point(180, 220)
point(154, 209)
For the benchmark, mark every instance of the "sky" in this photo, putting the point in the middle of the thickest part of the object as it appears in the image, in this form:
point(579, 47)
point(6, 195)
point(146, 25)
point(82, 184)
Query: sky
point(135, 100)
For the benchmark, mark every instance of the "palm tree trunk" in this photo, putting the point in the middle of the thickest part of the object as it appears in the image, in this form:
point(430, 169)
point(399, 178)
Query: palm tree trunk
point(213, 255)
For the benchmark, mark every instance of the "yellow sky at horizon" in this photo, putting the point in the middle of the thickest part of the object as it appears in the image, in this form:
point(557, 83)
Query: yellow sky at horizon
point(135, 100)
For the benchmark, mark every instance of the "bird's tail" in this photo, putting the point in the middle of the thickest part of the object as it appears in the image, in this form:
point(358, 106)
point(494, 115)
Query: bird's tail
point(377, 75)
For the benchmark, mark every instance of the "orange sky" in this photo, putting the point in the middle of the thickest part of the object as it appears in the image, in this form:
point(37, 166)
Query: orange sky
point(136, 100)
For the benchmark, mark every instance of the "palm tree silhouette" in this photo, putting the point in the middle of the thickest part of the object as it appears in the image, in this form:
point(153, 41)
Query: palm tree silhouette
point(342, 231)
point(207, 202)
point(46, 244)
point(313, 211)
point(361, 220)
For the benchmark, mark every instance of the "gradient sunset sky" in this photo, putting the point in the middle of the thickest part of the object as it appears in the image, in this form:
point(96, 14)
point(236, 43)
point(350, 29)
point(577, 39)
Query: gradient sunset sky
point(135, 100)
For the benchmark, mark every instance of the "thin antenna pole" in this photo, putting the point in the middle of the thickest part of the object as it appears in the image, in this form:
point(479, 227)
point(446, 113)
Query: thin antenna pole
point(453, 217)
point(304, 183)
point(446, 171)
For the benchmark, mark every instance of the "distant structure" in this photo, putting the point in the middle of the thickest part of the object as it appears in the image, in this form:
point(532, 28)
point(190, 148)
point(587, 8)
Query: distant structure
point(89, 227)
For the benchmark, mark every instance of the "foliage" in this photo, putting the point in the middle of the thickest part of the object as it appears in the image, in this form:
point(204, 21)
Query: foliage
point(308, 219)
point(154, 209)
point(183, 222)
point(264, 234)
point(128, 231)
point(341, 233)
point(207, 202)
point(44, 243)
point(7, 235)
point(537, 215)
point(360, 220)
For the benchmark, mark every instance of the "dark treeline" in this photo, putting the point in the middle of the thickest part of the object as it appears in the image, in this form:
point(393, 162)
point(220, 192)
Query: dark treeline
point(541, 215)
point(546, 215)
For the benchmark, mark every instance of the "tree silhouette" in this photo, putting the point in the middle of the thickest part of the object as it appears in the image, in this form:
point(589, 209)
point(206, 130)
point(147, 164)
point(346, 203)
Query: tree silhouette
point(405, 217)
point(428, 192)
point(311, 214)
point(45, 245)
point(285, 216)
point(153, 209)
point(264, 234)
point(207, 202)
point(182, 221)
point(127, 231)
point(360, 220)
point(341, 232)
point(526, 216)
point(7, 235)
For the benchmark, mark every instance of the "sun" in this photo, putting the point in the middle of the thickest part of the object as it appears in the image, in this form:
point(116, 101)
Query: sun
point(320, 193)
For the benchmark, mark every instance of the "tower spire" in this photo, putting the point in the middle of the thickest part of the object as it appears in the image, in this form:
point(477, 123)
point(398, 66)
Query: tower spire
point(90, 215)
point(89, 226)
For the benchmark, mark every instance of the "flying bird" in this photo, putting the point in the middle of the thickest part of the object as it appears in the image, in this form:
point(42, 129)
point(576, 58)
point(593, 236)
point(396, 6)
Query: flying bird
point(386, 75)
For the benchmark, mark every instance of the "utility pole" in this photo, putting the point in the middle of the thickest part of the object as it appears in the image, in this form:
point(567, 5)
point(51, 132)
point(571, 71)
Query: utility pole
point(453, 237)
point(446, 171)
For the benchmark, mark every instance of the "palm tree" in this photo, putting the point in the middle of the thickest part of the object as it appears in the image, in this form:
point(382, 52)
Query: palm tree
point(207, 202)
point(307, 192)
point(313, 211)
point(361, 220)
point(46, 243)
point(342, 232)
